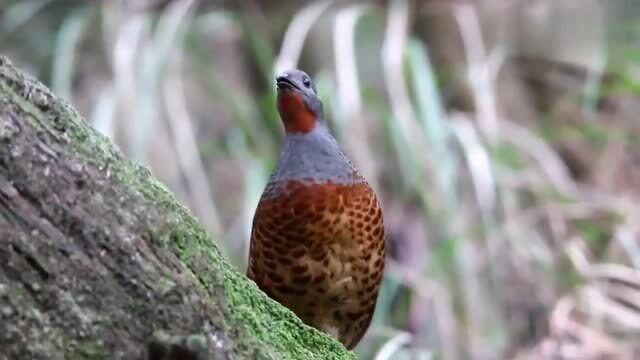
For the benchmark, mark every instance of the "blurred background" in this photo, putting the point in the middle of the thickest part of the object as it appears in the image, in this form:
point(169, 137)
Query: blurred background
point(503, 138)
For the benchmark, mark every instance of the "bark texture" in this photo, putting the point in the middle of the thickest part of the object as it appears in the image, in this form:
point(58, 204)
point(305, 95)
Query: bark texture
point(98, 260)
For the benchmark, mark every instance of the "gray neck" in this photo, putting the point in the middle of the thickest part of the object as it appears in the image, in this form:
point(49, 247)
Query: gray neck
point(314, 157)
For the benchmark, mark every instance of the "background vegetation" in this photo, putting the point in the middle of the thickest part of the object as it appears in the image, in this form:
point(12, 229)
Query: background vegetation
point(502, 136)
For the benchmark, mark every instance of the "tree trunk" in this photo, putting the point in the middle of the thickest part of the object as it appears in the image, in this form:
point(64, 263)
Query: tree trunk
point(98, 260)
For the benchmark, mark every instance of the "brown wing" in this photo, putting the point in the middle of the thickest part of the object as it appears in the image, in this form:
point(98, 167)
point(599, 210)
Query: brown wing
point(368, 228)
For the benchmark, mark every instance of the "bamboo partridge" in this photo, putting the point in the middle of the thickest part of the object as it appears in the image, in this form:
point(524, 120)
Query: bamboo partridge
point(318, 239)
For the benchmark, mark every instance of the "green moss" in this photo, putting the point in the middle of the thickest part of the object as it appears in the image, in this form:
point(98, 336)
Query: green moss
point(92, 349)
point(277, 325)
point(259, 327)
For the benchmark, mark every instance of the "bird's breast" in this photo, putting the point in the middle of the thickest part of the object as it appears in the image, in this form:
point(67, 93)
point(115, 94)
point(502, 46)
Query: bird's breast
point(330, 231)
point(319, 248)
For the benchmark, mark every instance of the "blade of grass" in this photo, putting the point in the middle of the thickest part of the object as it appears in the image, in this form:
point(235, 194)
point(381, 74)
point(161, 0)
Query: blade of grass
point(20, 13)
point(294, 37)
point(103, 112)
point(64, 60)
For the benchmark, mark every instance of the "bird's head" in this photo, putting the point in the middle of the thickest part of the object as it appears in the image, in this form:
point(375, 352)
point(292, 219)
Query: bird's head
point(299, 105)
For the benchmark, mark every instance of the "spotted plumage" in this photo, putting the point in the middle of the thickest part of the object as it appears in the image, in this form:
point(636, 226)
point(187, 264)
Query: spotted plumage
point(318, 239)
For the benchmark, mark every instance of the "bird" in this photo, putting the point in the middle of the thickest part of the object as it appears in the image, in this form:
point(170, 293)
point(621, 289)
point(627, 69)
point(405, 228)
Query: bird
point(318, 240)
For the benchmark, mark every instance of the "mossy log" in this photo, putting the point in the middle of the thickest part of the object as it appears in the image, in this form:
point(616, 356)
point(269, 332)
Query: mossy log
point(99, 261)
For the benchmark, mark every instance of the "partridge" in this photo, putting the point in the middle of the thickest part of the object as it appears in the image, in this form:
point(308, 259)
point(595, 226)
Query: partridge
point(318, 238)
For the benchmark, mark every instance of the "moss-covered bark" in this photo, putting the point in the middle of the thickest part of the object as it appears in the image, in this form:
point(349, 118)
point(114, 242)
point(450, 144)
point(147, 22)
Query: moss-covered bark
point(98, 260)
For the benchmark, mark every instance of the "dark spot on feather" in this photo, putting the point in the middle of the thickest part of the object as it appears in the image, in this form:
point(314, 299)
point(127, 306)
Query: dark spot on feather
point(275, 277)
point(302, 280)
point(320, 278)
point(269, 263)
point(317, 254)
point(289, 290)
point(298, 253)
point(302, 268)
point(268, 253)
point(377, 231)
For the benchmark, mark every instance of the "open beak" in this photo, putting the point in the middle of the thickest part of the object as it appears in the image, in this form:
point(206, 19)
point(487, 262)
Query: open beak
point(284, 83)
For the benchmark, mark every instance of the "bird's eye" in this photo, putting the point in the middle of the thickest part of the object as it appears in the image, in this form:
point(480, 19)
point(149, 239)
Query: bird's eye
point(307, 82)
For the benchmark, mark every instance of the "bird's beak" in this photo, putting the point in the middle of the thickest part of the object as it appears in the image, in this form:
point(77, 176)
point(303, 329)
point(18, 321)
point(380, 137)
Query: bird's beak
point(283, 82)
